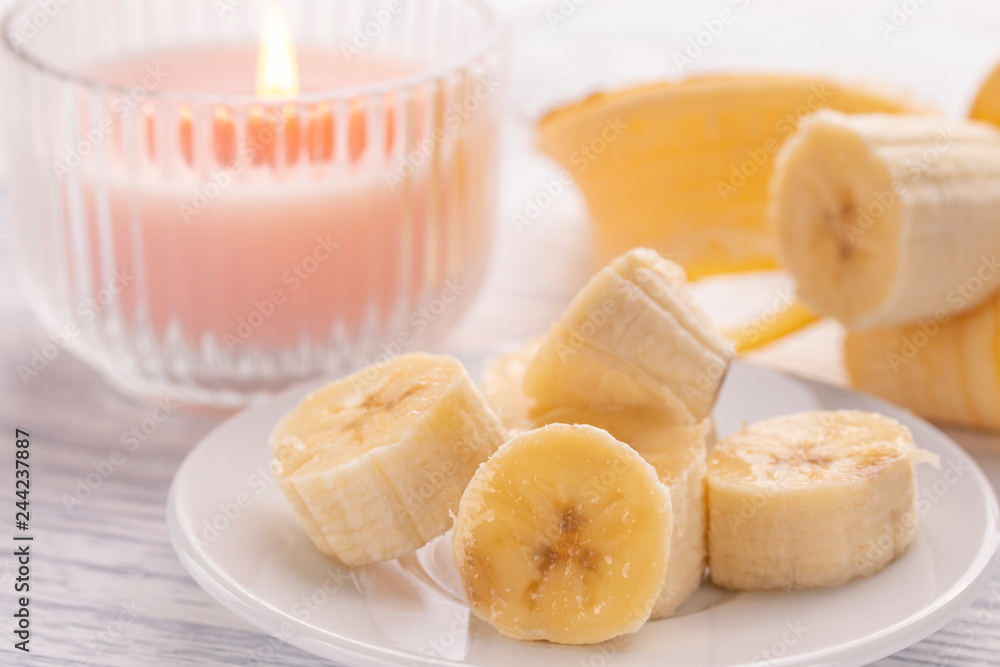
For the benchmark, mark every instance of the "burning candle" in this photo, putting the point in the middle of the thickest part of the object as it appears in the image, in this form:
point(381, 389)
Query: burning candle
point(277, 210)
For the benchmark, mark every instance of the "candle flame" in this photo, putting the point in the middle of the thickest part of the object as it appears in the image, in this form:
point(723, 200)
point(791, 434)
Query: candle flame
point(277, 66)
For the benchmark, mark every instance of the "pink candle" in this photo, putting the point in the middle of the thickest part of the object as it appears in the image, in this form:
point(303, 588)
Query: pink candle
point(255, 200)
point(260, 234)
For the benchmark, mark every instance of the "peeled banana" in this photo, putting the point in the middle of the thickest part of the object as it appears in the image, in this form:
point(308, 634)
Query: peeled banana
point(683, 167)
point(946, 370)
point(503, 387)
point(374, 463)
point(632, 338)
point(811, 500)
point(886, 219)
point(563, 535)
point(677, 453)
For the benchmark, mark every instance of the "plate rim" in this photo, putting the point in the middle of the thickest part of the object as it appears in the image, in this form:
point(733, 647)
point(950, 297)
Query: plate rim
point(906, 632)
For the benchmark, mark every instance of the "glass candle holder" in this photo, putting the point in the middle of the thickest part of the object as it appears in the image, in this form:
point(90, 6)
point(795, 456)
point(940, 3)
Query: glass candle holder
point(196, 236)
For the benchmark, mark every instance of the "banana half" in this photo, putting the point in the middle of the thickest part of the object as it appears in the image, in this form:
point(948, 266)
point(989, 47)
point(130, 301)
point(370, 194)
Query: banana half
point(632, 338)
point(887, 219)
point(811, 500)
point(374, 463)
point(563, 535)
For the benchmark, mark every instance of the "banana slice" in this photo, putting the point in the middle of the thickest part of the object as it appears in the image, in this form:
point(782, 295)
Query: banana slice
point(374, 463)
point(677, 453)
point(811, 500)
point(632, 338)
point(947, 371)
point(503, 387)
point(683, 166)
point(563, 535)
point(884, 219)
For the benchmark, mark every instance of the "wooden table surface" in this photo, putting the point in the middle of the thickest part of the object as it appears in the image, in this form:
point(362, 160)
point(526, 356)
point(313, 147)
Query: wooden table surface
point(107, 587)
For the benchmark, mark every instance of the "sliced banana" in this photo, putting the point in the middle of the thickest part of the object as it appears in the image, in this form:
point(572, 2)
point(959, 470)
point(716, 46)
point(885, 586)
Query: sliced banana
point(886, 219)
point(677, 453)
point(549, 545)
point(503, 387)
point(811, 500)
point(947, 371)
point(632, 338)
point(374, 463)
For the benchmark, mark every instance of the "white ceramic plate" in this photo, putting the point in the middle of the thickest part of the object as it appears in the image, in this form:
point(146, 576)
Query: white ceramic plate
point(235, 534)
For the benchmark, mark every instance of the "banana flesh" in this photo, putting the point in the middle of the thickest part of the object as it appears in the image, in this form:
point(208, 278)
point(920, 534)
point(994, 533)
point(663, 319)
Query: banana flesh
point(503, 387)
point(945, 370)
point(373, 464)
point(632, 338)
point(811, 500)
point(563, 535)
point(678, 454)
point(884, 220)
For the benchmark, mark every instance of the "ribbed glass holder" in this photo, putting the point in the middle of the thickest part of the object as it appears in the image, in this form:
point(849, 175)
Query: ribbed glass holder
point(215, 248)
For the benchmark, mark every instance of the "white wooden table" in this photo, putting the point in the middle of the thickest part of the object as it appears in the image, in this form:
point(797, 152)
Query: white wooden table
point(106, 586)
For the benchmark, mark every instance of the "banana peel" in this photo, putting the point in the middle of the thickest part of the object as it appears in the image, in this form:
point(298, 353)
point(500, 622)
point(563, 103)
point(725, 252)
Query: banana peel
point(683, 167)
